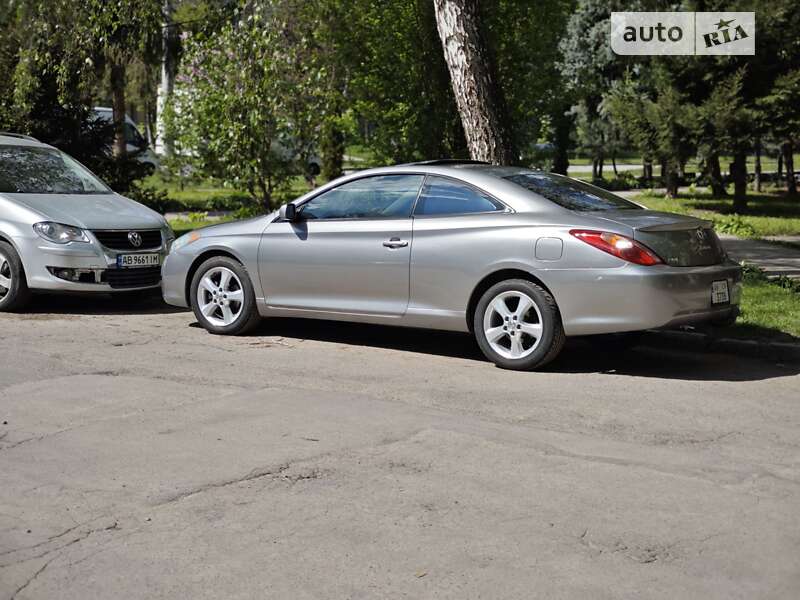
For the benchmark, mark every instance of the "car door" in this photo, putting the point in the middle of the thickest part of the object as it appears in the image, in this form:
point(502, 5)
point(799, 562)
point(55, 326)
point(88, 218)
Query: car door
point(458, 230)
point(347, 252)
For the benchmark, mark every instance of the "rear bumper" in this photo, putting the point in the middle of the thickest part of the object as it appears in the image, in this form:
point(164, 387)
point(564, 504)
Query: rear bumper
point(633, 298)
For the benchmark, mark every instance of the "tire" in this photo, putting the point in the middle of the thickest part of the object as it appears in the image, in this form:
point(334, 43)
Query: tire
point(524, 350)
point(228, 277)
point(16, 295)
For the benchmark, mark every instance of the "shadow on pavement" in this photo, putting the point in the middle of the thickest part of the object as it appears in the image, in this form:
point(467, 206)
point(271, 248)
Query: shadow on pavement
point(578, 356)
point(100, 304)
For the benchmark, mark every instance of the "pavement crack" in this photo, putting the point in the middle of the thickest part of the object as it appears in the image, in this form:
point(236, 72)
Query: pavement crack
point(78, 538)
point(32, 578)
point(251, 476)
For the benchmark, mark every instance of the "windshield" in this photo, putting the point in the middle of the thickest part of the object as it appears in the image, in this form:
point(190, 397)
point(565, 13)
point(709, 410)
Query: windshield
point(33, 170)
point(570, 193)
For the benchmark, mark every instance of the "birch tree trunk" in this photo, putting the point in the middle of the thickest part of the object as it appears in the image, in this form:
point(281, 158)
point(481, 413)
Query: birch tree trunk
point(479, 105)
point(169, 66)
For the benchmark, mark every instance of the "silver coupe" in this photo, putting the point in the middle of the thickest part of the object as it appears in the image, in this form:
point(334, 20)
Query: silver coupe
point(519, 258)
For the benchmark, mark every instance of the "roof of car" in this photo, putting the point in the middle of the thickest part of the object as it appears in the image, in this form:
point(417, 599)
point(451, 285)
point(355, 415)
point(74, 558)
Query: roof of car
point(490, 178)
point(18, 139)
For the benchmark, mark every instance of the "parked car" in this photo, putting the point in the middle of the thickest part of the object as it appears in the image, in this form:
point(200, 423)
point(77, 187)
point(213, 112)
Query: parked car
point(64, 230)
point(520, 258)
point(136, 146)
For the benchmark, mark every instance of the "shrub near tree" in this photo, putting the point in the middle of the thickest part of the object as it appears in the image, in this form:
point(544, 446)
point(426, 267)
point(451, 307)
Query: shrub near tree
point(245, 103)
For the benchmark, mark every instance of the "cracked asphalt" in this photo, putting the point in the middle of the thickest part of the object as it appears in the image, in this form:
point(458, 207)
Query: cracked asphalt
point(141, 457)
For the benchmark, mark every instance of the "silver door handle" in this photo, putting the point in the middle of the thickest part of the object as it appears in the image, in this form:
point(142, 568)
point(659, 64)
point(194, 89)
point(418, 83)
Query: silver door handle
point(395, 242)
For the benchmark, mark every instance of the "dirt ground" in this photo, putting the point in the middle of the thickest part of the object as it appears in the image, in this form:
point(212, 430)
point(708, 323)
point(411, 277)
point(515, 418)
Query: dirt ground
point(141, 457)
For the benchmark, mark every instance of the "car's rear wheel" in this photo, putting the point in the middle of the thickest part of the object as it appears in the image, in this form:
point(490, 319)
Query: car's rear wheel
point(518, 326)
point(222, 297)
point(14, 292)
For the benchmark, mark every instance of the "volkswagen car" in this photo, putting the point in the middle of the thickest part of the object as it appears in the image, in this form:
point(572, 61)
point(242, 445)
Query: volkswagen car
point(64, 230)
point(521, 259)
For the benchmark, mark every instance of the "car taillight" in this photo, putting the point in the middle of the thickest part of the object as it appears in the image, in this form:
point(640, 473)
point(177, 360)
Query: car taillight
point(618, 245)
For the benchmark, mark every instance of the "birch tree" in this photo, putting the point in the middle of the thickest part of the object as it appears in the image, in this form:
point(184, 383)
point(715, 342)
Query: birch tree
point(477, 94)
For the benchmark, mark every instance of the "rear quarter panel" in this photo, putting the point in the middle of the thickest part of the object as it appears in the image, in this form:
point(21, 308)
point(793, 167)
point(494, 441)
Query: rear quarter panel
point(451, 255)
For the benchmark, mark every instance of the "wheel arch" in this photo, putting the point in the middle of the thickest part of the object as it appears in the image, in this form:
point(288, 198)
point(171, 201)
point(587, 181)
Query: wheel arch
point(496, 277)
point(199, 260)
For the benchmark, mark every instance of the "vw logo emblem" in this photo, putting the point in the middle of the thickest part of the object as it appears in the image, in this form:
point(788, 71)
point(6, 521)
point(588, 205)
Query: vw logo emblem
point(135, 238)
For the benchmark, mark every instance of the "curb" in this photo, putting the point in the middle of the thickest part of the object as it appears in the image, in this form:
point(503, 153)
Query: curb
point(701, 342)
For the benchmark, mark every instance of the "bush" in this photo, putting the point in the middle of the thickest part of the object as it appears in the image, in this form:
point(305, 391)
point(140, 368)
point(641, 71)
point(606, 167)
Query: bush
point(734, 225)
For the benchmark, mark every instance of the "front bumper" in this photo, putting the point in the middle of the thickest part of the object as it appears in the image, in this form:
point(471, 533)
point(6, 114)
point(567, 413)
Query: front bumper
point(634, 298)
point(95, 265)
point(174, 275)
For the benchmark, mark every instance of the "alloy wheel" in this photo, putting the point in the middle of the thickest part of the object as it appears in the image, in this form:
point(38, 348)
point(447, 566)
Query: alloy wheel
point(512, 324)
point(220, 296)
point(5, 276)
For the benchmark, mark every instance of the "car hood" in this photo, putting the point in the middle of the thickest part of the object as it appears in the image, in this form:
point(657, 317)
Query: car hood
point(91, 211)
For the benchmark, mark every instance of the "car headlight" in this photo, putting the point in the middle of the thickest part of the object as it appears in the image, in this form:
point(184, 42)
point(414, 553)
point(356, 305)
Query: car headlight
point(185, 240)
point(58, 233)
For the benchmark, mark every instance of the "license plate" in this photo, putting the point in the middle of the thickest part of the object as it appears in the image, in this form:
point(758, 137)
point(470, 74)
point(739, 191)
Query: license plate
point(125, 261)
point(719, 292)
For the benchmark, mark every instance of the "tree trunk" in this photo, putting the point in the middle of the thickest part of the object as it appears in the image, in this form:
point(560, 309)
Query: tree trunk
point(614, 164)
point(780, 164)
point(563, 126)
point(647, 171)
point(117, 80)
point(738, 170)
point(787, 149)
point(169, 67)
point(477, 96)
point(669, 174)
point(714, 173)
point(757, 170)
point(600, 161)
point(332, 147)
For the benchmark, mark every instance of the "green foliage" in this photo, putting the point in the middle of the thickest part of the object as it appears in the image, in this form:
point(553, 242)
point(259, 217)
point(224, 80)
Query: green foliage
point(734, 225)
point(526, 51)
point(251, 126)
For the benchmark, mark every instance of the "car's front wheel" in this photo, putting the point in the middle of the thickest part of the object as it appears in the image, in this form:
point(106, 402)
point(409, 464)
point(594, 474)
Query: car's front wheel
point(14, 293)
point(518, 326)
point(222, 297)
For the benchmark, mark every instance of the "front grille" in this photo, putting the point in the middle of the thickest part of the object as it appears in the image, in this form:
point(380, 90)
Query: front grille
point(118, 240)
point(132, 278)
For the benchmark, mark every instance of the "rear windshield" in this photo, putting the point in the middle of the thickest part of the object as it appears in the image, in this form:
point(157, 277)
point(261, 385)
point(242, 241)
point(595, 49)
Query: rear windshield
point(34, 170)
point(570, 193)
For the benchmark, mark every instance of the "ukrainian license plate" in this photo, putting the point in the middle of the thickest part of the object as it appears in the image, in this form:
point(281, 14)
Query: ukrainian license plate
point(125, 261)
point(719, 292)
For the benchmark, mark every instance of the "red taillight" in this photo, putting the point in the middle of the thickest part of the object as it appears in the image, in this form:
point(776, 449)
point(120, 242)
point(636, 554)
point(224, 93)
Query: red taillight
point(618, 245)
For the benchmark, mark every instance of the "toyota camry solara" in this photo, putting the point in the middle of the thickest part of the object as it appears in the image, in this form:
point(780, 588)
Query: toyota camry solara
point(519, 258)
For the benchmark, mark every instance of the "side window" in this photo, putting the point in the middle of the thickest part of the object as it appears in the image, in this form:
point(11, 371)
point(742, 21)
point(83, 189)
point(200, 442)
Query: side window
point(442, 196)
point(381, 197)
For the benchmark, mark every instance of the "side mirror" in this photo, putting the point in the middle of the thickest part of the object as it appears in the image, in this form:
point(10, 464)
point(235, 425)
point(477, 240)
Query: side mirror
point(288, 212)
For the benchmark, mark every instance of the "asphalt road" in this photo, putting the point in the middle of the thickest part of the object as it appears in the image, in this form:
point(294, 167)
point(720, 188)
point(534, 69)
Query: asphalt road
point(143, 458)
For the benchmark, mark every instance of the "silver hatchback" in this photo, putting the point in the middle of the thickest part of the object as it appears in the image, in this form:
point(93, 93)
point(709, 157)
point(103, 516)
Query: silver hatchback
point(64, 230)
point(520, 258)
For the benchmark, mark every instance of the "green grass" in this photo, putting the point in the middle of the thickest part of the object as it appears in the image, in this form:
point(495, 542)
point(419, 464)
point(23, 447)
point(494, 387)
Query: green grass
point(767, 214)
point(768, 163)
point(770, 309)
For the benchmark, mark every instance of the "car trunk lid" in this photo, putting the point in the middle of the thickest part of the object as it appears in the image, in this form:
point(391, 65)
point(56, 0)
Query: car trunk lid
point(679, 240)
